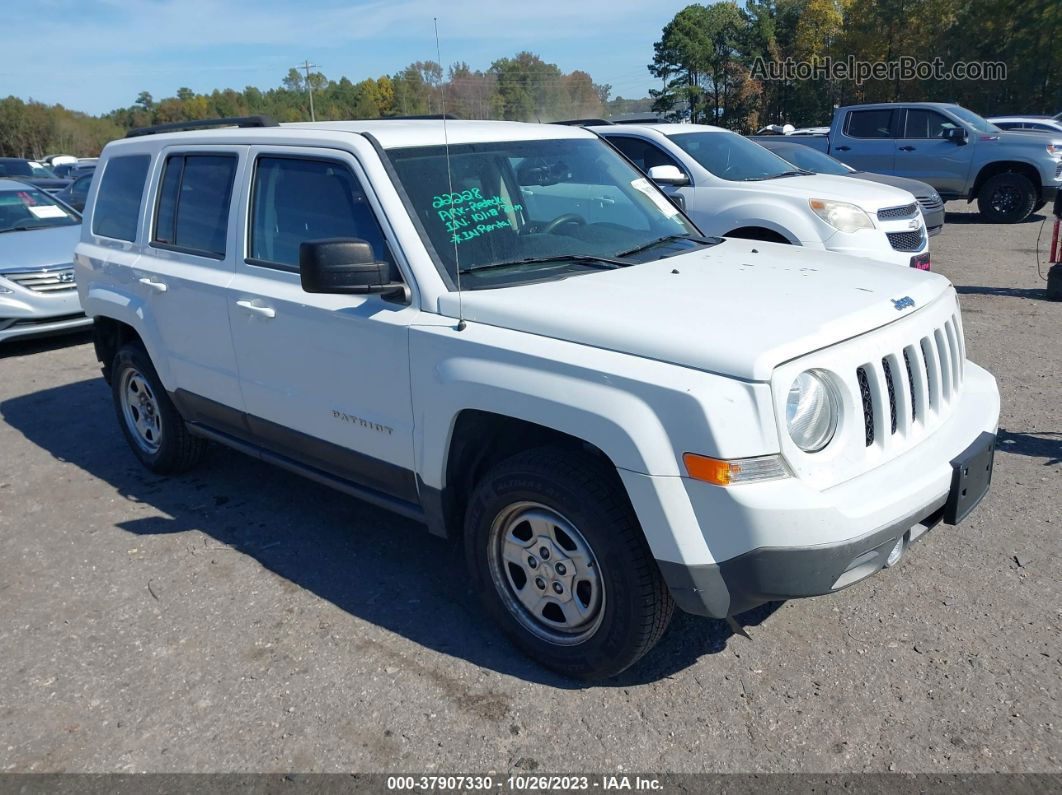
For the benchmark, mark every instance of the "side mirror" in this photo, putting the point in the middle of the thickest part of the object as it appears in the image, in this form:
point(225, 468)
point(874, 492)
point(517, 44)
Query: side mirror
point(343, 265)
point(668, 175)
point(956, 135)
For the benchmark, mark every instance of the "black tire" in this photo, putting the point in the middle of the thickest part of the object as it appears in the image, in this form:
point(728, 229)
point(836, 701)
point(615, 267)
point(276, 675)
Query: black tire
point(1006, 198)
point(175, 450)
point(1039, 205)
point(635, 606)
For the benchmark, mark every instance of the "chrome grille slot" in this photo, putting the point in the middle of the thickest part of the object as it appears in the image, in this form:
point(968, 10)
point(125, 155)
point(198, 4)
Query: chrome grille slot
point(44, 280)
point(868, 405)
point(891, 388)
point(932, 367)
point(931, 203)
point(919, 383)
point(945, 364)
point(956, 356)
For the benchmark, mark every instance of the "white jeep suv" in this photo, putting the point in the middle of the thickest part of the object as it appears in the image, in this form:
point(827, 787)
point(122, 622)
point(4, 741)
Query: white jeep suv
point(507, 332)
point(733, 187)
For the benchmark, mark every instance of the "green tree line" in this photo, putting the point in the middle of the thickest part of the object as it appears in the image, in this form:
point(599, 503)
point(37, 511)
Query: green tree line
point(521, 88)
point(707, 57)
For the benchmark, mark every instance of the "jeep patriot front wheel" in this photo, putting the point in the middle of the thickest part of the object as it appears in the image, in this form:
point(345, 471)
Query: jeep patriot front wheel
point(561, 564)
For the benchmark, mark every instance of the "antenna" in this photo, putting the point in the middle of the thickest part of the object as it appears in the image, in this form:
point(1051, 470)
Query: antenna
point(450, 180)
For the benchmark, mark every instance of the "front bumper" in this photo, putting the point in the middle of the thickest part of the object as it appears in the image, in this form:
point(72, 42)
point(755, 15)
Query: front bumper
point(27, 312)
point(784, 539)
point(779, 573)
point(11, 329)
point(874, 244)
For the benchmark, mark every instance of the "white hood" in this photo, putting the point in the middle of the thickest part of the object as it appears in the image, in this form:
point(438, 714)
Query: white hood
point(726, 310)
point(870, 196)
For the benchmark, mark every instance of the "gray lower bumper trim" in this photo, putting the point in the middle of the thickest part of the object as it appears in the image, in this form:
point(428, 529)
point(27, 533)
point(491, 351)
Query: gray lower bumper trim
point(774, 573)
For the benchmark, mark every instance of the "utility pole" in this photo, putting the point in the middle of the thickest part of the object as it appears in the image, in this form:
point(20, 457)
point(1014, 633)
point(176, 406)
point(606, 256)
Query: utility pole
point(308, 66)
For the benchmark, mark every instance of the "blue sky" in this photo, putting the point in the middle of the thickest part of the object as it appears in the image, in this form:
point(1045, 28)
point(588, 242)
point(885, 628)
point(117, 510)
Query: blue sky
point(96, 55)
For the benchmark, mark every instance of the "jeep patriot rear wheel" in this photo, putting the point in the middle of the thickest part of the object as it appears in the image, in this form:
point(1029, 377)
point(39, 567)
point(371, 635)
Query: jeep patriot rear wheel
point(154, 429)
point(560, 562)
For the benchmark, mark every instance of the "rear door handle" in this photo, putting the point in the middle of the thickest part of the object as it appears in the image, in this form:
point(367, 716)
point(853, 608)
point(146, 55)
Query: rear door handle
point(158, 287)
point(842, 148)
point(254, 309)
point(907, 148)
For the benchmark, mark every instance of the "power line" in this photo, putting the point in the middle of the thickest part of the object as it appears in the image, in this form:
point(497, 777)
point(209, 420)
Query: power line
point(308, 66)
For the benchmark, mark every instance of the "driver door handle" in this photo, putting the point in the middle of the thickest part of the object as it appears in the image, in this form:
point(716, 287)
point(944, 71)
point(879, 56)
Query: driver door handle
point(254, 309)
point(907, 148)
point(158, 287)
point(842, 148)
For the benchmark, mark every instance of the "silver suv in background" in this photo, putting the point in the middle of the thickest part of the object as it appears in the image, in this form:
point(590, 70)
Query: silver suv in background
point(38, 293)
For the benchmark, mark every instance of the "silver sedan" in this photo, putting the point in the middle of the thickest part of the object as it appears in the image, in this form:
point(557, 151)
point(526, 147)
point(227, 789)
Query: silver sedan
point(38, 295)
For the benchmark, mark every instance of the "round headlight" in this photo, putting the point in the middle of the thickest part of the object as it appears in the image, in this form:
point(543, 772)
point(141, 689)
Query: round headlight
point(811, 411)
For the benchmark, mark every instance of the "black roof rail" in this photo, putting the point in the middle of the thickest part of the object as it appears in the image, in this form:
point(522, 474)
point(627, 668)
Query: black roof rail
point(640, 120)
point(426, 117)
point(196, 124)
point(582, 122)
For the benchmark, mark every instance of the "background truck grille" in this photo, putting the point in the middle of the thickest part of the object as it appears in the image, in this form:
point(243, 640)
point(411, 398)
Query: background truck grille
point(906, 241)
point(44, 280)
point(892, 213)
point(933, 366)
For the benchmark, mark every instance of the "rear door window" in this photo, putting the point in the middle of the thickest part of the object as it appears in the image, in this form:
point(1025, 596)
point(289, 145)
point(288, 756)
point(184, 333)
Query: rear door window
point(117, 210)
point(870, 123)
point(192, 212)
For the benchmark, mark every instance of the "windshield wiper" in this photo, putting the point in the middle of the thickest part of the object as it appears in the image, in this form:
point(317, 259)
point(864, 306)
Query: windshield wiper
point(582, 259)
point(23, 228)
point(798, 173)
point(659, 240)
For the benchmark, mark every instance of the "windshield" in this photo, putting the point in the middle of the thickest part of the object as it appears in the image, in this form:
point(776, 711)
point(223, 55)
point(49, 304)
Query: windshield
point(811, 159)
point(729, 156)
point(571, 205)
point(28, 208)
point(975, 121)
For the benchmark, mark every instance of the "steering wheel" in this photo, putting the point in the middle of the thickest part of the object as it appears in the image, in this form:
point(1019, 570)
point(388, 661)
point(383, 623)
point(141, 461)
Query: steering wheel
point(561, 220)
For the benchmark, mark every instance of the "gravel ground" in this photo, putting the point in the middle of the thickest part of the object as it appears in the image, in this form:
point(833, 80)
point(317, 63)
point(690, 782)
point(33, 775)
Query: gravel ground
point(243, 619)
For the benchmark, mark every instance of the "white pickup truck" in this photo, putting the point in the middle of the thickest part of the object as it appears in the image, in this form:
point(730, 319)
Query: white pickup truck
point(507, 332)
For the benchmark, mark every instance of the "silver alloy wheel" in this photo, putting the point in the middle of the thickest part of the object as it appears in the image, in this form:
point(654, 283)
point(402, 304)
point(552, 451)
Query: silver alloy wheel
point(140, 408)
point(546, 573)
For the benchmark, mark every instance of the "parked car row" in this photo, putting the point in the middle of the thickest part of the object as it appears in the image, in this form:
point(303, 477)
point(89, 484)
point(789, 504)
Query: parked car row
point(1010, 173)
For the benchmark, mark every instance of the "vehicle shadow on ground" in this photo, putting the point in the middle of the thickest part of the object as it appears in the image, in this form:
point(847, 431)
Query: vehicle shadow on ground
point(34, 345)
point(375, 565)
point(1033, 293)
point(1035, 444)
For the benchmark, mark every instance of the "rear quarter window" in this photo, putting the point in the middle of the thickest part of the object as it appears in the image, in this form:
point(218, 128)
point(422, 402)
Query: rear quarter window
point(117, 210)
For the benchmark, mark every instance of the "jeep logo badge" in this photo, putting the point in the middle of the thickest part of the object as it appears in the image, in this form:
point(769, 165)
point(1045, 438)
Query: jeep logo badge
point(903, 303)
